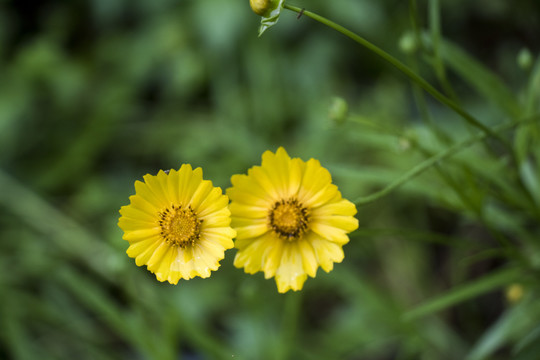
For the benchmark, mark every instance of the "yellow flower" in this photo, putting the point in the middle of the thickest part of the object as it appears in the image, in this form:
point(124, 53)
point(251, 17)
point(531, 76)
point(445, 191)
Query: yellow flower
point(177, 224)
point(290, 219)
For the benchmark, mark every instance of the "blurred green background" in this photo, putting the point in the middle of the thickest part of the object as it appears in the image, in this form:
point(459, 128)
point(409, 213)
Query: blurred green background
point(95, 94)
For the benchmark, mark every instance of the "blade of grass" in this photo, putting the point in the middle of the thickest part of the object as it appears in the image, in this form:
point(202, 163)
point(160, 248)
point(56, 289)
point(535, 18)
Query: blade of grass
point(14, 334)
point(405, 70)
point(435, 33)
point(528, 341)
point(480, 78)
point(533, 90)
point(463, 293)
point(514, 323)
point(64, 232)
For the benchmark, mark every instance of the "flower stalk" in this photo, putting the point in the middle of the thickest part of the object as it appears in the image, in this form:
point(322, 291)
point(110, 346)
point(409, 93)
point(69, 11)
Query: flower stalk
point(404, 69)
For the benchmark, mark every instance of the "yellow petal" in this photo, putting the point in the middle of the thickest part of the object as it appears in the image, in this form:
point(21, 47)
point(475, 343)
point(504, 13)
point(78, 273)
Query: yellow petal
point(248, 211)
point(327, 252)
point(134, 213)
point(251, 231)
point(189, 181)
point(290, 274)
point(241, 244)
point(142, 234)
point(184, 263)
point(172, 186)
point(316, 188)
point(143, 257)
point(142, 190)
point(163, 268)
point(220, 232)
point(246, 190)
point(220, 220)
point(237, 221)
point(276, 168)
point(214, 202)
point(261, 178)
point(309, 260)
point(239, 196)
point(174, 276)
point(130, 224)
point(274, 256)
point(252, 257)
point(155, 260)
point(327, 194)
point(140, 203)
point(202, 191)
point(346, 223)
point(341, 207)
point(204, 262)
point(158, 187)
point(331, 233)
point(284, 172)
point(296, 171)
point(213, 248)
point(138, 248)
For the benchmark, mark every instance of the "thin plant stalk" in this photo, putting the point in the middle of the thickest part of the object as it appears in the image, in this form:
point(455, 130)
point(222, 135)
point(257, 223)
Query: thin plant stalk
point(404, 69)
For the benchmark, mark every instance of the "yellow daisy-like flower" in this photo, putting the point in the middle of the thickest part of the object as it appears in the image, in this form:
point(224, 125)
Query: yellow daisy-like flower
point(177, 224)
point(290, 219)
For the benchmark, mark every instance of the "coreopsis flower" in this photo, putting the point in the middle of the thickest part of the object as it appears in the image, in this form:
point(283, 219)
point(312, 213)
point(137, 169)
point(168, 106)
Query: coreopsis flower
point(177, 224)
point(290, 219)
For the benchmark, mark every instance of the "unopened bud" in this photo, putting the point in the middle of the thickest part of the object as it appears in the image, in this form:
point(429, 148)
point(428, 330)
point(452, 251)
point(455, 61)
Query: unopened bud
point(264, 7)
point(338, 110)
point(408, 43)
point(525, 59)
point(514, 293)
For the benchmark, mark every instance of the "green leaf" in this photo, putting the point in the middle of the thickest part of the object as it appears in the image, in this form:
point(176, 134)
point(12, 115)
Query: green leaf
point(463, 293)
point(532, 94)
point(271, 19)
point(530, 174)
point(480, 78)
point(529, 345)
point(514, 324)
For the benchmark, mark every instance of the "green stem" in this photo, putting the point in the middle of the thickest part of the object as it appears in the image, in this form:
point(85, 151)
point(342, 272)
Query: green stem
point(421, 103)
point(428, 163)
point(435, 30)
point(476, 208)
point(291, 315)
point(464, 292)
point(415, 22)
point(403, 68)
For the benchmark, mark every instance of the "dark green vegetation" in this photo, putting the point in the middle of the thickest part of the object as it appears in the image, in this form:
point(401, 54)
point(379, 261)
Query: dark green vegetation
point(95, 94)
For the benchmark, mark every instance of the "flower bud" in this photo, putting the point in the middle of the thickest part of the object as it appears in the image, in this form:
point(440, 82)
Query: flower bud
point(514, 293)
point(338, 110)
point(525, 59)
point(264, 7)
point(408, 43)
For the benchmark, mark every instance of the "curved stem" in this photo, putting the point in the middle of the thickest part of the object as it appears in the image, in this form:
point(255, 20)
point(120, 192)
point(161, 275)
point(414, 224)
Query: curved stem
point(403, 68)
point(428, 163)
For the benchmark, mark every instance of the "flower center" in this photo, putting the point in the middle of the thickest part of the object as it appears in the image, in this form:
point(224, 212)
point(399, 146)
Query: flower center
point(288, 219)
point(179, 226)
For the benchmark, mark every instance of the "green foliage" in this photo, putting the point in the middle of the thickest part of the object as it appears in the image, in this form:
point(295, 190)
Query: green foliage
point(95, 94)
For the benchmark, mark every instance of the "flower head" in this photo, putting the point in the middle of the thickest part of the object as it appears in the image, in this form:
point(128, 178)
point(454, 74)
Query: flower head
point(177, 224)
point(290, 219)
